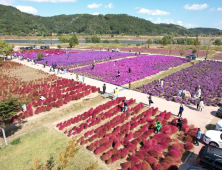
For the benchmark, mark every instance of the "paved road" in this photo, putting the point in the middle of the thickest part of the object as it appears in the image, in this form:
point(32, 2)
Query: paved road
point(199, 119)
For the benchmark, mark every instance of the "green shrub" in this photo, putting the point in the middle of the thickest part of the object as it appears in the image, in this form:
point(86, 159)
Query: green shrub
point(59, 46)
point(116, 41)
point(39, 56)
point(106, 41)
point(15, 141)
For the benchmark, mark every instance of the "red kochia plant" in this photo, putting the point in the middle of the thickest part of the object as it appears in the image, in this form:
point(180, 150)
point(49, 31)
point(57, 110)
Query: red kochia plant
point(174, 121)
point(107, 155)
point(146, 165)
point(100, 150)
point(155, 153)
point(167, 116)
point(151, 160)
point(91, 147)
point(188, 146)
point(140, 166)
point(124, 153)
point(134, 159)
point(127, 165)
point(175, 154)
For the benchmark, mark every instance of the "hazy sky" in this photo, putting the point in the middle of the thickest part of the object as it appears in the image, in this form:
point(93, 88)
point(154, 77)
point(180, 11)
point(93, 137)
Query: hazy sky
point(188, 13)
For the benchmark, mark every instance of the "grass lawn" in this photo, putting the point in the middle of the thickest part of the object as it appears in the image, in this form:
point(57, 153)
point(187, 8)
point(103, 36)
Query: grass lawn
point(39, 143)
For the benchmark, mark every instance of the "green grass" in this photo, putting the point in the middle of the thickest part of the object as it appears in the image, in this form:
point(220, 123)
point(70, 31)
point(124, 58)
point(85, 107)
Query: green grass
point(15, 141)
point(39, 143)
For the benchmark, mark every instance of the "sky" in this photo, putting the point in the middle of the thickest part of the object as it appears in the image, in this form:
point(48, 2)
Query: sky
point(187, 13)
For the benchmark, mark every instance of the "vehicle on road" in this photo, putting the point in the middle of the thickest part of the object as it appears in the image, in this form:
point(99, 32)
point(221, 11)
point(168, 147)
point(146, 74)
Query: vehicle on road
point(192, 57)
point(219, 112)
point(219, 125)
point(213, 138)
point(116, 50)
point(189, 167)
point(210, 157)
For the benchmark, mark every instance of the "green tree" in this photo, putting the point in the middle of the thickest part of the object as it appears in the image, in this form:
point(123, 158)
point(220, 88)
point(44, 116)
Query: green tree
point(196, 41)
point(218, 42)
point(51, 42)
point(164, 41)
point(194, 51)
point(8, 108)
point(40, 41)
point(5, 48)
point(148, 42)
point(59, 46)
point(106, 41)
point(39, 56)
point(96, 39)
point(137, 44)
point(182, 52)
point(116, 42)
point(73, 41)
point(88, 39)
point(63, 39)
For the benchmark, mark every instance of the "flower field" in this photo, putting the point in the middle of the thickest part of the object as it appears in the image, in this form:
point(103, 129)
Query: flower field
point(174, 52)
point(218, 56)
point(57, 91)
point(206, 74)
point(127, 140)
point(75, 58)
point(141, 66)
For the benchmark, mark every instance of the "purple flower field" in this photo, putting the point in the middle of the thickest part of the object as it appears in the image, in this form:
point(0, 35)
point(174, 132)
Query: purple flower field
point(206, 74)
point(141, 66)
point(76, 58)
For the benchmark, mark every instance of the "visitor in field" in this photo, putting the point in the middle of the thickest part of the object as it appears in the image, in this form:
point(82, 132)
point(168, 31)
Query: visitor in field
point(158, 126)
point(198, 102)
point(93, 66)
point(129, 70)
point(180, 123)
point(129, 84)
point(117, 91)
point(42, 97)
point(58, 71)
point(104, 88)
point(83, 79)
point(198, 135)
point(114, 95)
point(150, 100)
point(125, 106)
point(77, 77)
point(179, 93)
point(46, 62)
point(201, 105)
point(198, 92)
point(180, 110)
point(55, 65)
point(161, 83)
point(118, 73)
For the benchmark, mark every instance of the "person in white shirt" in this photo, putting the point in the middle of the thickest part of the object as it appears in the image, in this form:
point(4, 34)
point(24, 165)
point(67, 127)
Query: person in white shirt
point(201, 105)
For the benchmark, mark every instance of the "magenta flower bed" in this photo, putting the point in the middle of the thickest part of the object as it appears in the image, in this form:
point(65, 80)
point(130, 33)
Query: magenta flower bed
point(141, 66)
point(206, 74)
point(76, 58)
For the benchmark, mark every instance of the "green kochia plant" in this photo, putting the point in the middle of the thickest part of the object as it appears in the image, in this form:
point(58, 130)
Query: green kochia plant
point(39, 56)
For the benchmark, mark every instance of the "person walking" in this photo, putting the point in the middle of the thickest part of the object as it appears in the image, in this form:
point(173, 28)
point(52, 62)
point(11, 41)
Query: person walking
point(118, 73)
point(150, 100)
point(198, 102)
point(129, 70)
point(129, 84)
point(83, 79)
point(180, 123)
point(180, 110)
point(198, 135)
point(77, 77)
point(117, 91)
point(158, 126)
point(161, 83)
point(104, 88)
point(201, 105)
point(93, 66)
point(124, 105)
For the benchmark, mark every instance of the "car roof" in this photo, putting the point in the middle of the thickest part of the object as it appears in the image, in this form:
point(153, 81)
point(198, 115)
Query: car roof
point(214, 151)
point(189, 167)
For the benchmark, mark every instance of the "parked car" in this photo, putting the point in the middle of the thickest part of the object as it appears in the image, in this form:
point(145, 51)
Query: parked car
point(189, 167)
point(116, 50)
point(219, 112)
point(192, 56)
point(210, 157)
point(213, 137)
point(219, 125)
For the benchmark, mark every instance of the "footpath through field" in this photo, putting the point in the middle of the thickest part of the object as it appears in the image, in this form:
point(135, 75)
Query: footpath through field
point(199, 119)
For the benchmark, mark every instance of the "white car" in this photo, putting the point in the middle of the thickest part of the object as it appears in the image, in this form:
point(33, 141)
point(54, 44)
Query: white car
point(116, 50)
point(213, 137)
point(219, 125)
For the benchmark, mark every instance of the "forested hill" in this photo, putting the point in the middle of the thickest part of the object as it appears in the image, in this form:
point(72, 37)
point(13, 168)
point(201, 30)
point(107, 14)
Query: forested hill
point(15, 22)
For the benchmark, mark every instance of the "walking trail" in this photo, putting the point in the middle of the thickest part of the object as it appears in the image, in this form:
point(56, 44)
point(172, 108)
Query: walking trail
point(198, 119)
